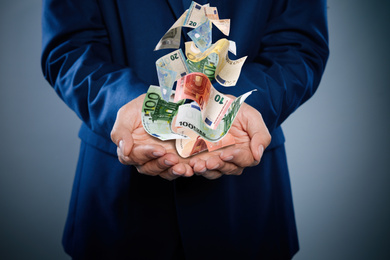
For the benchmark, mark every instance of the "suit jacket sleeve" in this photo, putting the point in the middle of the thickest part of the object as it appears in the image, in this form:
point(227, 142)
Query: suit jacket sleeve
point(291, 59)
point(78, 63)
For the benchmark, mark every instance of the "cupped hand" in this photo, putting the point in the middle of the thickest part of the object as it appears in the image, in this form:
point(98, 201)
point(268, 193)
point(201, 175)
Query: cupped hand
point(251, 136)
point(148, 154)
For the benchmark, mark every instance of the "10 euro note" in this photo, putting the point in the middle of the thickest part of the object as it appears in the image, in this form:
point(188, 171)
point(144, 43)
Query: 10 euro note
point(157, 115)
point(213, 104)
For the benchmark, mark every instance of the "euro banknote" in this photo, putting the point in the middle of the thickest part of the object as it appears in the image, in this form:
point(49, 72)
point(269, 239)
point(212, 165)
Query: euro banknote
point(201, 36)
point(196, 16)
point(193, 17)
point(196, 144)
point(157, 115)
point(227, 71)
point(170, 68)
point(212, 103)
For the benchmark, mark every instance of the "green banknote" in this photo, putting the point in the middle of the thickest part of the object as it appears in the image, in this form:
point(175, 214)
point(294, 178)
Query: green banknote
point(206, 66)
point(157, 115)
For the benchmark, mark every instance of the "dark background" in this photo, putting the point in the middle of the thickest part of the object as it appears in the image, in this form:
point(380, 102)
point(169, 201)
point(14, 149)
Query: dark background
point(337, 143)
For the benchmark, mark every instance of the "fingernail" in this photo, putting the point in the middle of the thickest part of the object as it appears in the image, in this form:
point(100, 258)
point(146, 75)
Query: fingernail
point(203, 170)
point(176, 173)
point(261, 151)
point(158, 154)
point(215, 167)
point(121, 145)
point(169, 163)
point(229, 158)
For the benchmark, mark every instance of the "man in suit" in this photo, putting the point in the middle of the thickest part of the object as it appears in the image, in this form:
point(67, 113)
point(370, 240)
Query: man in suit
point(234, 203)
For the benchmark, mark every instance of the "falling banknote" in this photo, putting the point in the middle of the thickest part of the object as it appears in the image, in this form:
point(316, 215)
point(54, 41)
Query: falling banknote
point(157, 115)
point(170, 68)
point(195, 16)
point(197, 87)
point(201, 36)
point(227, 71)
point(203, 124)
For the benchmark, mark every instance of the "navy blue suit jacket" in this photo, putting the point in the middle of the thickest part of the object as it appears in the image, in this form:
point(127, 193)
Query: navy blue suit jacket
point(98, 55)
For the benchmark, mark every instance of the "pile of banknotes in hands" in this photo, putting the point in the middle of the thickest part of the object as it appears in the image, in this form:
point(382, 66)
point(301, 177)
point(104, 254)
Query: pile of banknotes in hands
point(195, 114)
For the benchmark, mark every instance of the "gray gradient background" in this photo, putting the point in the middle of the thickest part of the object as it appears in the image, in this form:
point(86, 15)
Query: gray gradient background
point(337, 143)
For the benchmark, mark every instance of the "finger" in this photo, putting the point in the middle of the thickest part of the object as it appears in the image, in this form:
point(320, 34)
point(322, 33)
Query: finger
point(212, 175)
point(157, 166)
point(141, 154)
point(198, 165)
point(184, 171)
point(174, 172)
point(121, 134)
point(168, 176)
point(214, 162)
point(238, 155)
point(123, 159)
point(228, 168)
point(259, 135)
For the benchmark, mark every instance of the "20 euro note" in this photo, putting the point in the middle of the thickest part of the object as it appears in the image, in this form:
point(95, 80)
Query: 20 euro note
point(202, 36)
point(213, 104)
point(189, 116)
point(157, 115)
point(227, 71)
point(191, 18)
point(170, 68)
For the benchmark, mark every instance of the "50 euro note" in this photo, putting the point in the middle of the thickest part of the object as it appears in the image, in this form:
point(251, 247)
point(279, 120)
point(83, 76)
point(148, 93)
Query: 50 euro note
point(227, 71)
point(157, 115)
point(209, 64)
point(170, 68)
point(189, 116)
point(213, 104)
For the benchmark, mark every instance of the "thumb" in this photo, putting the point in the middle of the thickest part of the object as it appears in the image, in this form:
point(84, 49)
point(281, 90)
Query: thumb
point(258, 134)
point(121, 133)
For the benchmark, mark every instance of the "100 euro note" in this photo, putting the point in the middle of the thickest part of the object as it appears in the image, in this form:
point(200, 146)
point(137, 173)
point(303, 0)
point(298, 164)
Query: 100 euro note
point(213, 104)
point(157, 115)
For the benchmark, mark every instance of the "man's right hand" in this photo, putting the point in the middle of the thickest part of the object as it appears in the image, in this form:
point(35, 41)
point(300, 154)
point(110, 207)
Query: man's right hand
point(148, 154)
